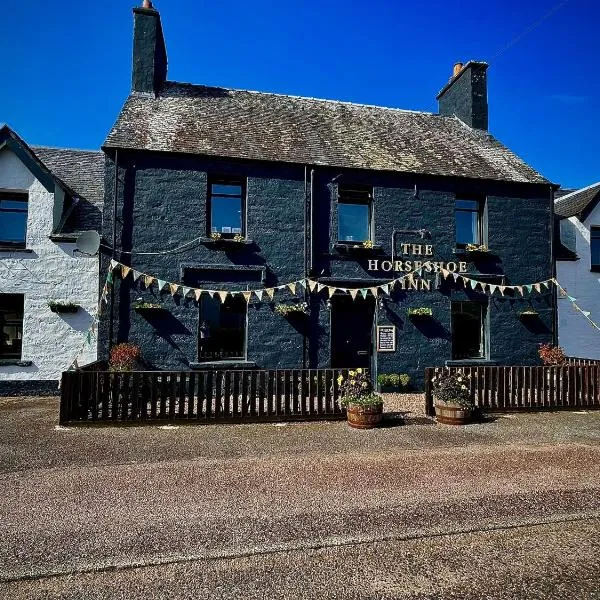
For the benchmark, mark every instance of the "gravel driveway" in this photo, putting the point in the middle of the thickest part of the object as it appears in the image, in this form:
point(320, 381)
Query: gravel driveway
point(312, 510)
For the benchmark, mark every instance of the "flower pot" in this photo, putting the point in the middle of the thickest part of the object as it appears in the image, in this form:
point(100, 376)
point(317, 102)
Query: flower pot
point(364, 417)
point(449, 413)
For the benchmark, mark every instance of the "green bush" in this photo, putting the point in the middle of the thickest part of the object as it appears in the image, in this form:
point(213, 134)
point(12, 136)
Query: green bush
point(400, 380)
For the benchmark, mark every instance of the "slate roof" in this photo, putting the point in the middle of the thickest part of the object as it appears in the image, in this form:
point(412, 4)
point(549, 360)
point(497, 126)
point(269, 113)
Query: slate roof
point(579, 202)
point(83, 172)
point(231, 123)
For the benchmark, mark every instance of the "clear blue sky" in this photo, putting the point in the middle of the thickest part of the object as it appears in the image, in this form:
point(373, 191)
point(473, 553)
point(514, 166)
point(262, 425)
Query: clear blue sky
point(66, 66)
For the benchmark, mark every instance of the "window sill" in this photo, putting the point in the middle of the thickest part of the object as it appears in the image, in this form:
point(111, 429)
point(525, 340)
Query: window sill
point(225, 364)
point(470, 362)
point(15, 249)
point(595, 269)
point(472, 253)
point(14, 362)
point(356, 247)
point(225, 242)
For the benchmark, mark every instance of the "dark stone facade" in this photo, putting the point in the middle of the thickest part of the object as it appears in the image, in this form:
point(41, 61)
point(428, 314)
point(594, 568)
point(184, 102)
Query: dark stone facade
point(162, 205)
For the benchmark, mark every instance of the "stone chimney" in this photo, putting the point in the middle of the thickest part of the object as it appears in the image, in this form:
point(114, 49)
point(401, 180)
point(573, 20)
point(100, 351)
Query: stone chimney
point(465, 95)
point(149, 52)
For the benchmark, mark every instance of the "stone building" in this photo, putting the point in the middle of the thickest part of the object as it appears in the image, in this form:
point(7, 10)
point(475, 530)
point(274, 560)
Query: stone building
point(48, 196)
point(243, 191)
point(578, 270)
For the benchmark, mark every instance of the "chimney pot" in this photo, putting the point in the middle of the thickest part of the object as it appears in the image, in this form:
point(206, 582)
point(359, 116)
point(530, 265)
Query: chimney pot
point(147, 4)
point(457, 69)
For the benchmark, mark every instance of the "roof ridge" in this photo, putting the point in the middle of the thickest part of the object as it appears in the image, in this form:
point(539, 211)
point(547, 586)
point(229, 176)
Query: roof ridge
point(311, 98)
point(579, 191)
point(37, 147)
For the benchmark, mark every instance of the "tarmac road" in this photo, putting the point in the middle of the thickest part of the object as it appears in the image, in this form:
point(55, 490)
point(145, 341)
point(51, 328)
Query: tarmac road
point(505, 509)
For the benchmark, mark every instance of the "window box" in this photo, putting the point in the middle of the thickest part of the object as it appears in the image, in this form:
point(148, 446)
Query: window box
point(148, 307)
point(474, 253)
point(226, 243)
point(529, 314)
point(63, 307)
point(292, 310)
point(357, 248)
point(420, 313)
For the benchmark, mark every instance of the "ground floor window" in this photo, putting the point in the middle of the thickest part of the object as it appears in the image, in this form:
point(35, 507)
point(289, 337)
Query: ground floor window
point(469, 330)
point(222, 328)
point(11, 325)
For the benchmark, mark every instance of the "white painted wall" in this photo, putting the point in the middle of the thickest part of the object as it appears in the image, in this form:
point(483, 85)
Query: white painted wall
point(51, 272)
point(575, 334)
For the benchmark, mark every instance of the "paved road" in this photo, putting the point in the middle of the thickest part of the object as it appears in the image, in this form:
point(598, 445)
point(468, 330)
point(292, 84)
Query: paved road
point(505, 509)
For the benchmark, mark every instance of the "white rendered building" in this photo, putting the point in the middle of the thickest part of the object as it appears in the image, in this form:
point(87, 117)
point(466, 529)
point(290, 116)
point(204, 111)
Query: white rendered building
point(578, 270)
point(48, 289)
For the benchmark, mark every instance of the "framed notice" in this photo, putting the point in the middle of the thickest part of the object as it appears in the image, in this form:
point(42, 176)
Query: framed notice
point(386, 338)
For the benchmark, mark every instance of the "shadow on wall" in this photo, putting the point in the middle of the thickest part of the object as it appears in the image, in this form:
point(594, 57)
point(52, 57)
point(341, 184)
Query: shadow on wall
point(166, 325)
point(79, 321)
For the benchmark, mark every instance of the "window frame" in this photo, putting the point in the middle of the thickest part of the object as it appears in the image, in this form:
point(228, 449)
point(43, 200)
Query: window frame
point(15, 196)
point(481, 218)
point(3, 322)
point(594, 229)
point(484, 344)
point(244, 355)
point(226, 180)
point(368, 200)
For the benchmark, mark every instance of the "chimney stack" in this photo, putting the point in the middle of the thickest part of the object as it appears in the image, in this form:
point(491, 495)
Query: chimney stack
point(465, 95)
point(149, 71)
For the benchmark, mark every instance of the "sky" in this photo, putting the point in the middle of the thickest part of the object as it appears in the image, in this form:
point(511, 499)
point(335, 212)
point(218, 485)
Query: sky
point(67, 65)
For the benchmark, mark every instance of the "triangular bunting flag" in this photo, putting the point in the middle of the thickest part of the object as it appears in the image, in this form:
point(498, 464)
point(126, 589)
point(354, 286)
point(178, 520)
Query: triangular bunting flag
point(331, 290)
point(445, 273)
point(161, 284)
point(292, 287)
point(174, 288)
point(520, 289)
point(529, 287)
point(502, 288)
point(109, 277)
point(148, 280)
point(385, 288)
point(198, 293)
point(113, 264)
point(259, 294)
point(270, 292)
point(185, 291)
point(492, 288)
point(364, 292)
point(302, 282)
point(125, 271)
point(455, 276)
point(353, 294)
point(546, 284)
point(223, 295)
point(136, 275)
point(247, 295)
point(211, 293)
point(473, 283)
point(571, 298)
point(538, 287)
point(587, 313)
point(374, 291)
point(312, 285)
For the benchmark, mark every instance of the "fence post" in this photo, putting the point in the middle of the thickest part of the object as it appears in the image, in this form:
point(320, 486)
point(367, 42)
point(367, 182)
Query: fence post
point(429, 409)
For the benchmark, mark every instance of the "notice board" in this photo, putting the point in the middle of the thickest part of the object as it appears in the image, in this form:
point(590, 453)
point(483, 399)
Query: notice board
point(386, 338)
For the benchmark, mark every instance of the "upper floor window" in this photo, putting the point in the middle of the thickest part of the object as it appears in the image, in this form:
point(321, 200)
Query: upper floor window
point(595, 248)
point(355, 209)
point(469, 329)
point(13, 219)
point(468, 217)
point(226, 207)
point(11, 325)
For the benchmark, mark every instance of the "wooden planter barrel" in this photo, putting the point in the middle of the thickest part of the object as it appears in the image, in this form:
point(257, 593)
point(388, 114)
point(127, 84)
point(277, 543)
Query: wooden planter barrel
point(364, 417)
point(452, 414)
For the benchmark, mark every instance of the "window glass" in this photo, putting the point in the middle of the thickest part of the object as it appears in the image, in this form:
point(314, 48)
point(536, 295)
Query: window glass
point(354, 213)
point(226, 208)
point(595, 247)
point(468, 223)
point(222, 328)
point(13, 218)
point(468, 330)
point(11, 325)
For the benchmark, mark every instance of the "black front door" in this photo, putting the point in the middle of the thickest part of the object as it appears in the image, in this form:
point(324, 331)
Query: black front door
point(352, 331)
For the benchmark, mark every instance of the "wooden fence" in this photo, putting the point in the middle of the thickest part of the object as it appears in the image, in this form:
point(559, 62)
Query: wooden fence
point(527, 388)
point(201, 396)
point(576, 361)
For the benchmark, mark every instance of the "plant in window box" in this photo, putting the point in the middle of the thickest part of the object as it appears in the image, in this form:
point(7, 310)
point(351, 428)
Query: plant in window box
point(454, 403)
point(238, 237)
point(392, 382)
point(368, 244)
point(422, 312)
point(141, 306)
point(477, 248)
point(529, 313)
point(57, 306)
point(292, 309)
point(215, 235)
point(364, 408)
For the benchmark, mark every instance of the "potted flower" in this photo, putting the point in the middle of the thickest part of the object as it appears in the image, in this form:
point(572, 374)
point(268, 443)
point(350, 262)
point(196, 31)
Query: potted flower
point(392, 382)
point(454, 404)
point(56, 306)
point(124, 357)
point(420, 313)
point(552, 356)
point(364, 408)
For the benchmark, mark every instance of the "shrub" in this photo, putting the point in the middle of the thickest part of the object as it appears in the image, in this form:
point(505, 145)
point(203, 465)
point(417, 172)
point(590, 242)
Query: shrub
point(393, 379)
point(452, 387)
point(357, 389)
point(123, 357)
point(551, 355)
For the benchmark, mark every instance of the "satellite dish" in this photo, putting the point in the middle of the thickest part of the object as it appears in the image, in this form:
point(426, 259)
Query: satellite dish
point(88, 243)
